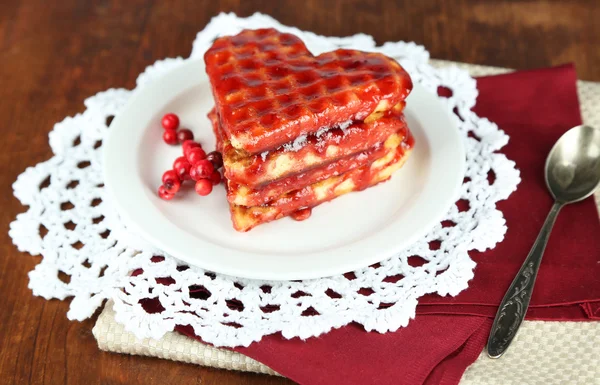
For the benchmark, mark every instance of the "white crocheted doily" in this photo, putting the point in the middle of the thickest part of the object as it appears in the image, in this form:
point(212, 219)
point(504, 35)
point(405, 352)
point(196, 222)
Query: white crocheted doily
point(89, 256)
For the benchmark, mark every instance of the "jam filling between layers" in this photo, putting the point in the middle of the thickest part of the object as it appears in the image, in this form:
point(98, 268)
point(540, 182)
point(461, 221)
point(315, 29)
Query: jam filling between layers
point(313, 151)
point(244, 196)
point(360, 178)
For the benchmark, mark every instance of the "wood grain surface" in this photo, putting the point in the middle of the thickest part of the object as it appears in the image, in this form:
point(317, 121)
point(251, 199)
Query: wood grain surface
point(54, 54)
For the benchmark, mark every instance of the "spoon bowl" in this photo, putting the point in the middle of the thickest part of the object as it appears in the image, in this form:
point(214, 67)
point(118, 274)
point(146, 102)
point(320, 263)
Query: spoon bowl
point(573, 165)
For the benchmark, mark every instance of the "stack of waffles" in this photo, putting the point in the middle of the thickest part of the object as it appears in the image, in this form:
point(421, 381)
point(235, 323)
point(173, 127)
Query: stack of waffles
point(297, 130)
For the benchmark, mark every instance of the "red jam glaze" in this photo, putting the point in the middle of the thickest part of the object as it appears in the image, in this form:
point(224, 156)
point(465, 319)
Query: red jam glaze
point(302, 214)
point(256, 197)
point(305, 196)
point(362, 177)
point(254, 171)
point(269, 89)
point(216, 126)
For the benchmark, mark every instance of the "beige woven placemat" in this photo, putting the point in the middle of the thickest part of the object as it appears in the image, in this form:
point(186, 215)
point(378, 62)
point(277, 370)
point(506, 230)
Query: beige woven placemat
point(543, 353)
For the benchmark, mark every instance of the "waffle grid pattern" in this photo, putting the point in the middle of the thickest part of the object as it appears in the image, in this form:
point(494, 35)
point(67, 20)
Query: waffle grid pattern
point(271, 89)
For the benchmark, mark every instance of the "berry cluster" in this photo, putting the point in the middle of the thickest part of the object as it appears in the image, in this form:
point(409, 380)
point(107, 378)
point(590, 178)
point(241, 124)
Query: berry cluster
point(195, 164)
point(172, 135)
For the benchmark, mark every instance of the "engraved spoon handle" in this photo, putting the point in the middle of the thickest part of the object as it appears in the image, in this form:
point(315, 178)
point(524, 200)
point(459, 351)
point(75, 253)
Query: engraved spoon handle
point(516, 300)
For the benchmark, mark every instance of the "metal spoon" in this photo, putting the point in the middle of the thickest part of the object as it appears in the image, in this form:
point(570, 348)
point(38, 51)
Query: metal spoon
point(572, 174)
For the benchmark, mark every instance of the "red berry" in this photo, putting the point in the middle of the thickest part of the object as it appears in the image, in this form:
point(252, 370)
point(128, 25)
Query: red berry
point(195, 155)
point(184, 134)
point(203, 187)
point(194, 174)
point(169, 176)
point(215, 177)
point(197, 173)
point(182, 167)
point(170, 121)
point(215, 158)
point(164, 194)
point(171, 182)
point(188, 145)
point(173, 187)
point(170, 136)
point(204, 169)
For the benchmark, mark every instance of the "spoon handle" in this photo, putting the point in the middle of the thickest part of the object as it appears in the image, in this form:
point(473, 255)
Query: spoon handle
point(516, 300)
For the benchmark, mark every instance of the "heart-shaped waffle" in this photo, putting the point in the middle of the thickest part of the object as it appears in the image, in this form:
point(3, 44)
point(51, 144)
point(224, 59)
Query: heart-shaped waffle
point(269, 89)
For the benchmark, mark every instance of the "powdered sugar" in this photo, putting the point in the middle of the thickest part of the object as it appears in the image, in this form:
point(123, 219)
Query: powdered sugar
point(321, 131)
point(323, 134)
point(296, 145)
point(344, 125)
point(331, 137)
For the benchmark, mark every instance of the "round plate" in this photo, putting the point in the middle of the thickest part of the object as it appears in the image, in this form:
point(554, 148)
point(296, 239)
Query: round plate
point(350, 232)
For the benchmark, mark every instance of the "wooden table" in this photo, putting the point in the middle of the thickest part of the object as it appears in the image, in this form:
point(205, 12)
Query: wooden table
point(54, 54)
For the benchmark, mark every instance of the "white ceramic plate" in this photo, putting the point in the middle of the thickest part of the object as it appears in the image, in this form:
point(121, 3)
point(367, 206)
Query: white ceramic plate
point(350, 232)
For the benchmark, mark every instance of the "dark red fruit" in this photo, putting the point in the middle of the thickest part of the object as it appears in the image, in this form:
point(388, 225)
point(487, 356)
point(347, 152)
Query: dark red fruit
point(171, 182)
point(170, 136)
point(195, 155)
point(204, 169)
point(188, 145)
point(164, 194)
point(215, 177)
point(184, 134)
point(203, 187)
point(182, 167)
point(170, 121)
point(215, 158)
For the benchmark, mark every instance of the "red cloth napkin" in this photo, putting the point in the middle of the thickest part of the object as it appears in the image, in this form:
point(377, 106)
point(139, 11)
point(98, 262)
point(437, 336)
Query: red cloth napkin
point(534, 108)
point(448, 334)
